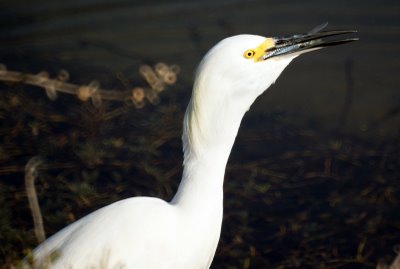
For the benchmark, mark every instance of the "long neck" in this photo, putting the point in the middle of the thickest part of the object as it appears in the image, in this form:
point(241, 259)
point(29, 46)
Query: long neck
point(221, 96)
point(210, 127)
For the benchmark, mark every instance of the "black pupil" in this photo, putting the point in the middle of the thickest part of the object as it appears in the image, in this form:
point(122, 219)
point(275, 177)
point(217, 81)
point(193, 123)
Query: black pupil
point(249, 53)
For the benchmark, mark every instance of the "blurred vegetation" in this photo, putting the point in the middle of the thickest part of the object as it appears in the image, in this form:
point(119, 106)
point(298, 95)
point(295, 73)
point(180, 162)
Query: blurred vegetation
point(295, 197)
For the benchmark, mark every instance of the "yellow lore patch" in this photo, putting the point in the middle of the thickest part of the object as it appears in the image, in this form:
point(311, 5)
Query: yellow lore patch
point(257, 53)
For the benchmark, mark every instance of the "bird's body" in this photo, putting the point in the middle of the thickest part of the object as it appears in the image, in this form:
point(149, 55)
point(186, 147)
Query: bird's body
point(117, 236)
point(149, 233)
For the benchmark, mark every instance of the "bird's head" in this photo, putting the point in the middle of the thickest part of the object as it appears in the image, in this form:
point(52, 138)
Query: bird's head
point(234, 73)
point(246, 65)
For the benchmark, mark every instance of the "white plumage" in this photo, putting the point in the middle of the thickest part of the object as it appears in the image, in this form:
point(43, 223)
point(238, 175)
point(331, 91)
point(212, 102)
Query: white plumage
point(149, 233)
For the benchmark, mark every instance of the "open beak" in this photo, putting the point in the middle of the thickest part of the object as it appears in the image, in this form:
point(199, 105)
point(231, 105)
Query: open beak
point(314, 39)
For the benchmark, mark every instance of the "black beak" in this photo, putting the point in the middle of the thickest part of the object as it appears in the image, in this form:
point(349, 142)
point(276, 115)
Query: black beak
point(314, 39)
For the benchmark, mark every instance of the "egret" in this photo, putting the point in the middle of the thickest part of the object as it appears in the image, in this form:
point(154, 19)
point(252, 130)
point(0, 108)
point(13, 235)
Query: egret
point(149, 233)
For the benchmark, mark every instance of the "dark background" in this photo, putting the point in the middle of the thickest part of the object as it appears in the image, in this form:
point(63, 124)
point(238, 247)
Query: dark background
point(313, 179)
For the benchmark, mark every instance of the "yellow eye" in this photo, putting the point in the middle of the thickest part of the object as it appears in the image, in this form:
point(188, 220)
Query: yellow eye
point(249, 54)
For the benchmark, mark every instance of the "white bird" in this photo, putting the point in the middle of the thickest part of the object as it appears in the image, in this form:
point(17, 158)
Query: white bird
point(149, 233)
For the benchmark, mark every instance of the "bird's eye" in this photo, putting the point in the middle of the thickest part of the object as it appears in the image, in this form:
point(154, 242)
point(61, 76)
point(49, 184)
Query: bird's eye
point(249, 54)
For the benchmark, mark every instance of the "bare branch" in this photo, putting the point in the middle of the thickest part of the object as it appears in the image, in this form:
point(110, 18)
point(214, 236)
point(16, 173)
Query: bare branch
point(158, 79)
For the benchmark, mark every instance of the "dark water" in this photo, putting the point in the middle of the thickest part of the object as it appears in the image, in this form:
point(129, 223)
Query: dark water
point(115, 36)
point(351, 90)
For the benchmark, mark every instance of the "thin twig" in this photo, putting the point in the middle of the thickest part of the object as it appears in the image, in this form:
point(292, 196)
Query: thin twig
point(157, 77)
point(30, 175)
